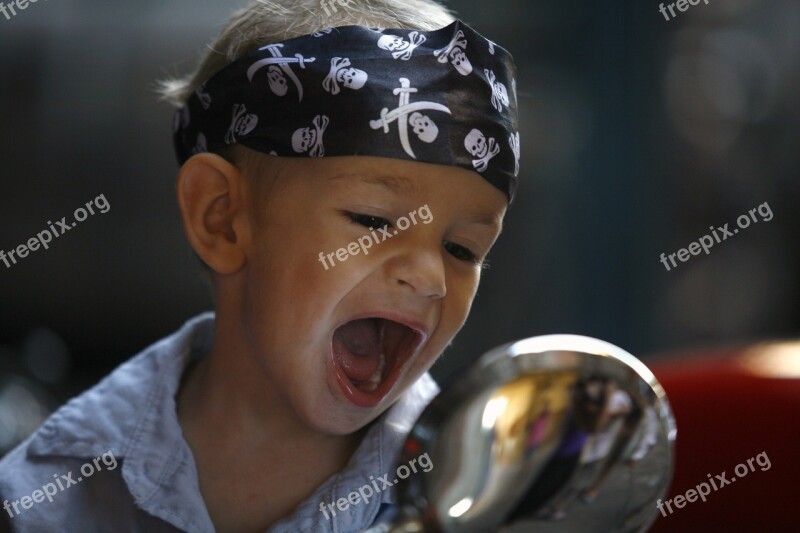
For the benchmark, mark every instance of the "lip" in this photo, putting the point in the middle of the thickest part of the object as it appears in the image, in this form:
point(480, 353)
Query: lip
point(371, 399)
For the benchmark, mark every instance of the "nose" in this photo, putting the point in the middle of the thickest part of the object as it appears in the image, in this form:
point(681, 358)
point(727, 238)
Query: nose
point(420, 268)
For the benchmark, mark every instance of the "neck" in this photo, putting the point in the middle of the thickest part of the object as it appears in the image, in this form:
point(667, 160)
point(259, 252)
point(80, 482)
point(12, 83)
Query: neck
point(248, 443)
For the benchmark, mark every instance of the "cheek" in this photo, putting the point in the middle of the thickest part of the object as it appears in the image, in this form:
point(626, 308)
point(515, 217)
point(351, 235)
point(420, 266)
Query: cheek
point(455, 309)
point(275, 294)
point(295, 291)
point(461, 293)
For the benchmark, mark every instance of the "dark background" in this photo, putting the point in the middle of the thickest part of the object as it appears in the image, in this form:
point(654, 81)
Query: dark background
point(637, 135)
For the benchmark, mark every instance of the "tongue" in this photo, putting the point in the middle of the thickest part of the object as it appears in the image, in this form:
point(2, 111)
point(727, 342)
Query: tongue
point(357, 348)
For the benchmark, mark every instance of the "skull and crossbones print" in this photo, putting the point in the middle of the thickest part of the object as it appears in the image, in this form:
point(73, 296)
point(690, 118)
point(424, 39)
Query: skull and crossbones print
point(342, 72)
point(513, 142)
point(400, 48)
point(203, 96)
point(181, 119)
point(499, 91)
point(354, 96)
point(483, 152)
point(455, 52)
point(422, 125)
point(201, 145)
point(310, 139)
point(242, 123)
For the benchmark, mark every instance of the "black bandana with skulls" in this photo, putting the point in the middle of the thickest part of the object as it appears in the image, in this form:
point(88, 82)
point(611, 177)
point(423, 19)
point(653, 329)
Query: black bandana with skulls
point(446, 96)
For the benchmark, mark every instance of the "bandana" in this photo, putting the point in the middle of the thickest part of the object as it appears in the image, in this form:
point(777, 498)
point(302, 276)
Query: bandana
point(446, 96)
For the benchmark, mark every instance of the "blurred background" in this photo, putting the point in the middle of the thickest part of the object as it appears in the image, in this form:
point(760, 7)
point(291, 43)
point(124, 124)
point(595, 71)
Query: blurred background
point(638, 134)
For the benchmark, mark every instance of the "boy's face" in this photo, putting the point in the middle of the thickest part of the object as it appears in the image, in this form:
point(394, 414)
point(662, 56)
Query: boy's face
point(339, 329)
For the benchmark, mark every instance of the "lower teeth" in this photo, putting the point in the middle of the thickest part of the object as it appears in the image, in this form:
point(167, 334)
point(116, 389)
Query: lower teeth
point(374, 380)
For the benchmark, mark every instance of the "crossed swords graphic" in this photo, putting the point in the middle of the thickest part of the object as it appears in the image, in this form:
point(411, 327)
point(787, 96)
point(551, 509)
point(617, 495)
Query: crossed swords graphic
point(282, 62)
point(400, 113)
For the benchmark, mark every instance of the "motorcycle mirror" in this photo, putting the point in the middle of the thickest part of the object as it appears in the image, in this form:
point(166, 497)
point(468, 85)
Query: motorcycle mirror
point(549, 433)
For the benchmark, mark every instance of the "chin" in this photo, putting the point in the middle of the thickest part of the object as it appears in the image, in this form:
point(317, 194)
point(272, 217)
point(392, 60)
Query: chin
point(337, 422)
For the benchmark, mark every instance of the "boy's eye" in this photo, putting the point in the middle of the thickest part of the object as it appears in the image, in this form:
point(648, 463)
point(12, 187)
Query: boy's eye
point(458, 251)
point(462, 253)
point(369, 221)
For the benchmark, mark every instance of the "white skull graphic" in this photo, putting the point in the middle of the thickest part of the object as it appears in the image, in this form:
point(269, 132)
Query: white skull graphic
point(203, 96)
point(303, 139)
point(501, 93)
point(513, 142)
point(424, 127)
point(241, 124)
point(459, 60)
point(352, 78)
point(245, 125)
point(201, 145)
point(392, 43)
point(276, 80)
point(310, 139)
point(320, 33)
point(180, 119)
point(475, 143)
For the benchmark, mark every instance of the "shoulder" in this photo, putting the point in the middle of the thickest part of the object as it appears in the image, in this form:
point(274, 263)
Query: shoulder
point(71, 468)
point(109, 416)
point(89, 494)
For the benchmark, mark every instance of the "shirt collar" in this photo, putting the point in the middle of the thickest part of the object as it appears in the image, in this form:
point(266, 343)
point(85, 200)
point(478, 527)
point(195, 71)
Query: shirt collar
point(374, 459)
point(132, 413)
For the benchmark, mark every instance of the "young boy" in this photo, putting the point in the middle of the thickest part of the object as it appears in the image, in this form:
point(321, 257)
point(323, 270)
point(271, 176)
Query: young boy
point(343, 187)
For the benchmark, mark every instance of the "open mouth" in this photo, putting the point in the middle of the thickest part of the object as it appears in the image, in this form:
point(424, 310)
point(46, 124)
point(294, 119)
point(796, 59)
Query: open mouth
point(368, 354)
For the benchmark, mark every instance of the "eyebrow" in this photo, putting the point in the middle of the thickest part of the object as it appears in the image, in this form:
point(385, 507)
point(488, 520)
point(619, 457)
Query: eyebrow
point(402, 185)
point(486, 218)
point(396, 184)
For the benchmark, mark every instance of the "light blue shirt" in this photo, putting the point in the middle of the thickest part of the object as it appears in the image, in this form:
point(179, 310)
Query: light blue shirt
point(141, 474)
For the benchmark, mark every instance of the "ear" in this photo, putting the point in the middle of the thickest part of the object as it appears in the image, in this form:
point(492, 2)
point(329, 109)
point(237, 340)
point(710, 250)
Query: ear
point(211, 199)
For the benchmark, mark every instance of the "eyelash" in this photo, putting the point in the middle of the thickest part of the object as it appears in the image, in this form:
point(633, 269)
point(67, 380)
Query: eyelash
point(360, 219)
point(462, 253)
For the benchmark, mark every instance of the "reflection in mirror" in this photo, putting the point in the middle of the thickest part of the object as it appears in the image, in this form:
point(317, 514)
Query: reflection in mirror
point(551, 433)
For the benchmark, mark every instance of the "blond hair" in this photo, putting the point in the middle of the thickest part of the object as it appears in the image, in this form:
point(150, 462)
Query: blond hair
point(265, 22)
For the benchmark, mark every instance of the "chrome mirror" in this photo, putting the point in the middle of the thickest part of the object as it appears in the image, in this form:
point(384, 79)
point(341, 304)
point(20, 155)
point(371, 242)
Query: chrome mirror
point(550, 433)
